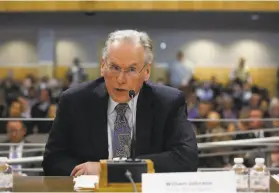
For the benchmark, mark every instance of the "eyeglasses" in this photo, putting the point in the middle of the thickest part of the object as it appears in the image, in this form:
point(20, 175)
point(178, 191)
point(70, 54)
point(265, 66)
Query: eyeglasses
point(130, 72)
point(9, 131)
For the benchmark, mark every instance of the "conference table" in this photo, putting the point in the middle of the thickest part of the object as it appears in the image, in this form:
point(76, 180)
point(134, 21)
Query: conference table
point(65, 184)
point(43, 184)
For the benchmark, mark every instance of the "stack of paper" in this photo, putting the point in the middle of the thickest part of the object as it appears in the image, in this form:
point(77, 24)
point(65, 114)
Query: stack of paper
point(85, 182)
point(276, 177)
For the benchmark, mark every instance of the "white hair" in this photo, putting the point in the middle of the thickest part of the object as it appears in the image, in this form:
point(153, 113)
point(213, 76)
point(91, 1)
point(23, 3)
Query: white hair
point(134, 36)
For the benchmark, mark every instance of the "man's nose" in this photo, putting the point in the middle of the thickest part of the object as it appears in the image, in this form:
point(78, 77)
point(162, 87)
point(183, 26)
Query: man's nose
point(121, 79)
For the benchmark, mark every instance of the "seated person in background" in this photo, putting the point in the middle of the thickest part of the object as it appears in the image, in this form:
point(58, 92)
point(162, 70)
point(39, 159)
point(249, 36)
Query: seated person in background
point(40, 110)
point(204, 108)
point(274, 113)
point(258, 124)
point(246, 93)
point(214, 127)
point(11, 88)
point(249, 158)
point(16, 110)
point(192, 102)
point(94, 120)
point(243, 125)
point(25, 107)
point(16, 132)
point(228, 111)
point(205, 92)
point(255, 101)
point(215, 86)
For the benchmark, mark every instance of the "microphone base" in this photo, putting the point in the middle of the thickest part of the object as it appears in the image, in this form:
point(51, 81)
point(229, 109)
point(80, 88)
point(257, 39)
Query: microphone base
point(133, 160)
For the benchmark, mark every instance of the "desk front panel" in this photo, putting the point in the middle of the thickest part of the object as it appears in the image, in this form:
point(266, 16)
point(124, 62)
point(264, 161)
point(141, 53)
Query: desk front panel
point(43, 184)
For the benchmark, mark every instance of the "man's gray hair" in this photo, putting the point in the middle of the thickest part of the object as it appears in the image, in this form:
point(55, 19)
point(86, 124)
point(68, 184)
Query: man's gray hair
point(134, 36)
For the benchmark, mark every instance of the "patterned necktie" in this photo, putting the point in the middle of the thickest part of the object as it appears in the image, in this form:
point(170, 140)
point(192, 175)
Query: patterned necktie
point(122, 133)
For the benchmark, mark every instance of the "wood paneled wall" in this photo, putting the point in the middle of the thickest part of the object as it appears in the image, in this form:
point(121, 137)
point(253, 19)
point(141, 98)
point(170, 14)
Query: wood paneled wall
point(225, 5)
point(18, 72)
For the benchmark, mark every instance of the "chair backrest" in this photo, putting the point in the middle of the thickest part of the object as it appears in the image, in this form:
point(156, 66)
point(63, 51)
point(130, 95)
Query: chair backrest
point(3, 137)
point(37, 138)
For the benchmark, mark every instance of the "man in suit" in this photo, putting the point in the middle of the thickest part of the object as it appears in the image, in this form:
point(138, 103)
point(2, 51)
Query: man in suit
point(16, 132)
point(94, 120)
point(40, 110)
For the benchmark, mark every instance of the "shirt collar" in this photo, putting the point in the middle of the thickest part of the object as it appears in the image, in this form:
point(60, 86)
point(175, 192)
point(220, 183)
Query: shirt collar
point(112, 104)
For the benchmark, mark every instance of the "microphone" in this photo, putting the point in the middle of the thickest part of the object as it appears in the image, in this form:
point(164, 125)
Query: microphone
point(128, 174)
point(132, 94)
point(132, 158)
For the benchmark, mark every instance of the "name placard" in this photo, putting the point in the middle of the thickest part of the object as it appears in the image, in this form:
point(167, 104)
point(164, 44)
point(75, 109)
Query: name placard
point(193, 182)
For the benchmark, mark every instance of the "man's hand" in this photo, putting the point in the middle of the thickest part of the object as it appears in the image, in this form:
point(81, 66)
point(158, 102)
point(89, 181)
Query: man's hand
point(88, 168)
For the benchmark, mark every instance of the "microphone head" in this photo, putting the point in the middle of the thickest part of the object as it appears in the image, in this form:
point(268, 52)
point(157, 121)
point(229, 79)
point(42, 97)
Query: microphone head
point(132, 93)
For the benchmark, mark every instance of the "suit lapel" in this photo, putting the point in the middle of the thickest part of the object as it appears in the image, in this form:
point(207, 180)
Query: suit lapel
point(99, 133)
point(144, 120)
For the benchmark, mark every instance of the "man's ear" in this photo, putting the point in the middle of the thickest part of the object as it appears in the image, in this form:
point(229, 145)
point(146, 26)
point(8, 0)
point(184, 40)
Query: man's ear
point(24, 130)
point(147, 72)
point(102, 67)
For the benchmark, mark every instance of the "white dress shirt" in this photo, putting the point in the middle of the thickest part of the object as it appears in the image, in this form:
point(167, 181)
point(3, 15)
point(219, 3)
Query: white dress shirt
point(112, 116)
point(16, 152)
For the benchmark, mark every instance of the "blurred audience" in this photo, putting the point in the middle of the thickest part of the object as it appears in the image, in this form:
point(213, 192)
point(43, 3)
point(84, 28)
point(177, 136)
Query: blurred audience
point(30, 98)
point(16, 134)
point(205, 92)
point(192, 105)
point(244, 125)
point(238, 99)
point(228, 110)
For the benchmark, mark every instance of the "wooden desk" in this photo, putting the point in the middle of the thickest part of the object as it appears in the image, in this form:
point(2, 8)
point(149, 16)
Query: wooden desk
point(43, 184)
point(65, 184)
